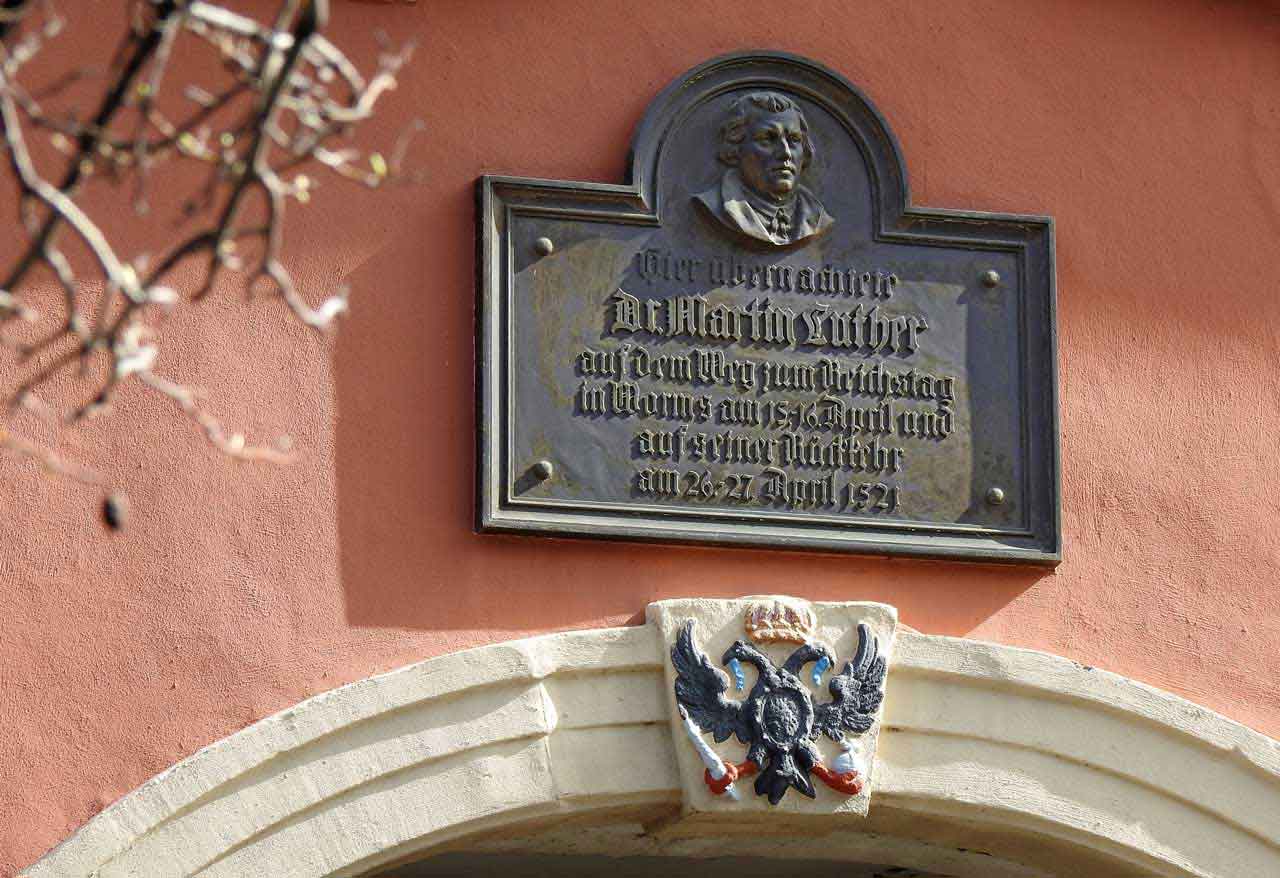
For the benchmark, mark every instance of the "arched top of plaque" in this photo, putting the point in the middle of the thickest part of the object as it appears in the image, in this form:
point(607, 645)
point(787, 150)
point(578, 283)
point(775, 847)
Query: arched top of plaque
point(723, 89)
point(757, 339)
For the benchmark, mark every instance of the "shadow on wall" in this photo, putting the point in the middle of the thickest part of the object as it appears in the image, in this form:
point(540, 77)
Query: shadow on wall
point(405, 459)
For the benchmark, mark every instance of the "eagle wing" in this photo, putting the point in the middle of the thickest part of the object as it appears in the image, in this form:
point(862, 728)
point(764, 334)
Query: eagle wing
point(700, 689)
point(857, 692)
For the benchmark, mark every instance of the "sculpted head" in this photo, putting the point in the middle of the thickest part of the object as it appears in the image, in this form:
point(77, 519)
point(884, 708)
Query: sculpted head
point(743, 651)
point(766, 137)
point(765, 141)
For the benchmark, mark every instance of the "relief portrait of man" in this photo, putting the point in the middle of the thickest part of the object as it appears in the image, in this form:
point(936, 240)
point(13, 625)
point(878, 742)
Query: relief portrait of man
point(765, 145)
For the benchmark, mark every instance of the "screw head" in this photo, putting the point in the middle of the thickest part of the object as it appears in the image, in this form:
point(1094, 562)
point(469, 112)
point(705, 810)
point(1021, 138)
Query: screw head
point(544, 246)
point(543, 470)
point(991, 278)
point(995, 496)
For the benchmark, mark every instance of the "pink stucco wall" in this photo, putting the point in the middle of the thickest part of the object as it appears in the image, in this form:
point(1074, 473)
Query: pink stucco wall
point(1150, 130)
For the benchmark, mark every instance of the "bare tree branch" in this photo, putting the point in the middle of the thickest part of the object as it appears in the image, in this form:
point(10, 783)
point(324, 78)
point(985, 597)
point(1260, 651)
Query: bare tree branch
point(291, 95)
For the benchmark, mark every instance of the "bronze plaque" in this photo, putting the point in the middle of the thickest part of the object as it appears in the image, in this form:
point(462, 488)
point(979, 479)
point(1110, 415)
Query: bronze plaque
point(758, 340)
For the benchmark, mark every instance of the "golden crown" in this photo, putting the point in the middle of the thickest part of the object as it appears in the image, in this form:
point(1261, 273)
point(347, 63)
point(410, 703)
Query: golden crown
point(778, 620)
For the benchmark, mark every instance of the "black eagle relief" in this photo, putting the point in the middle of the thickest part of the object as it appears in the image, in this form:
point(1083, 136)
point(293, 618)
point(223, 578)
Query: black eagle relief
point(778, 721)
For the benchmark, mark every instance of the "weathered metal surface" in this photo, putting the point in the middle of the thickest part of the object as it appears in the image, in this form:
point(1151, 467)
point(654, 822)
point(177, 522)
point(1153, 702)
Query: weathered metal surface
point(758, 340)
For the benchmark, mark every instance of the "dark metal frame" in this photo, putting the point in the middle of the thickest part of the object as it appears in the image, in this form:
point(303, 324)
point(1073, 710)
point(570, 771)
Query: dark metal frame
point(1029, 238)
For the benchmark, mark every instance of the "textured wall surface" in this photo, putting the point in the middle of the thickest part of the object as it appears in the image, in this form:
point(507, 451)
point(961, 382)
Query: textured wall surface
point(1150, 131)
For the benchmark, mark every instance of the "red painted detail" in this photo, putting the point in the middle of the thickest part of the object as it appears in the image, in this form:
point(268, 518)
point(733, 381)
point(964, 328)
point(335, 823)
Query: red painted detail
point(847, 782)
point(731, 773)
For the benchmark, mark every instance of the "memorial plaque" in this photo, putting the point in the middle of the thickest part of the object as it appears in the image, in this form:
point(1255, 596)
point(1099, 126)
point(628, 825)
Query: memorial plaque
point(759, 340)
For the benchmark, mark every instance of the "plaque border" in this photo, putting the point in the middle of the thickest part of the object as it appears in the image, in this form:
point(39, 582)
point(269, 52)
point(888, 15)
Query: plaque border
point(637, 201)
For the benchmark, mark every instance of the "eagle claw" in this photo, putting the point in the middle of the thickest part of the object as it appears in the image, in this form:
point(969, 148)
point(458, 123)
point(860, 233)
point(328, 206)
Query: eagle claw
point(847, 782)
point(731, 773)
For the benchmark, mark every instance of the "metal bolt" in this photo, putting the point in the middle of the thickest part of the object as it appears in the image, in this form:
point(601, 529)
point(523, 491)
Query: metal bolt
point(995, 496)
point(544, 246)
point(543, 470)
point(991, 278)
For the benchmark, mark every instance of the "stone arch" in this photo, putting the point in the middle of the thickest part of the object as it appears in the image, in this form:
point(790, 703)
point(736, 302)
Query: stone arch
point(992, 761)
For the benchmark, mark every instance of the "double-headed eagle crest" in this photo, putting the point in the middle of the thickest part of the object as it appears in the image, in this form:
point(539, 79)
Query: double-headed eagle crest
point(778, 720)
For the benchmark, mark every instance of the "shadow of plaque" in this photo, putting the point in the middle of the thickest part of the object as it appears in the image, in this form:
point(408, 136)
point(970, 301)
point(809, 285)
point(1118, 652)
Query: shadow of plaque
point(758, 340)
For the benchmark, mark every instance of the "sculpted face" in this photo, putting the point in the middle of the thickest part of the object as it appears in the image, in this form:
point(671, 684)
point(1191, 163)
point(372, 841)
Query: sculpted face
point(772, 154)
